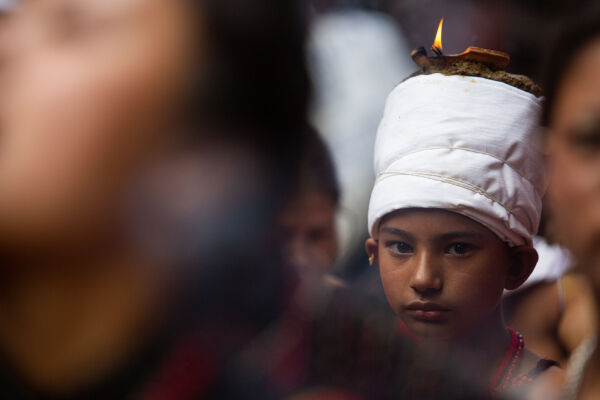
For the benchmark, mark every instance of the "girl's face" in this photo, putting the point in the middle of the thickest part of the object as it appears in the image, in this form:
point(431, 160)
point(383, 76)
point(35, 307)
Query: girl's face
point(442, 272)
point(574, 149)
point(89, 89)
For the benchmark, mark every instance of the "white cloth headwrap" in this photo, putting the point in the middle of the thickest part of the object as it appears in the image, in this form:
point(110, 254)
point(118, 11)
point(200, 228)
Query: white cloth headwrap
point(462, 144)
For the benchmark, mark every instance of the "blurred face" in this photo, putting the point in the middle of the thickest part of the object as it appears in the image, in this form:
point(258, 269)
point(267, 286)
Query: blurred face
point(88, 92)
point(442, 272)
point(574, 147)
point(308, 227)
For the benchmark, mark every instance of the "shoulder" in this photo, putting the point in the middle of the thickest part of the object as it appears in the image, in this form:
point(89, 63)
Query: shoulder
point(548, 386)
point(536, 377)
point(533, 366)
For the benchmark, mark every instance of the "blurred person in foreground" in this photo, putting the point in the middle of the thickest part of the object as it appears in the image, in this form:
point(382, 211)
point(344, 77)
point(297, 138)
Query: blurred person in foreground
point(145, 146)
point(454, 208)
point(573, 116)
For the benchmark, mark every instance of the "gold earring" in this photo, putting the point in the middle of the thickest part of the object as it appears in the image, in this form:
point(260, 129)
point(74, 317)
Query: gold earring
point(371, 260)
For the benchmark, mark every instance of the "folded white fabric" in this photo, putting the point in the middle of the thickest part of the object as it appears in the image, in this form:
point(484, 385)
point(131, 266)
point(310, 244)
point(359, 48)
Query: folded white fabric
point(462, 144)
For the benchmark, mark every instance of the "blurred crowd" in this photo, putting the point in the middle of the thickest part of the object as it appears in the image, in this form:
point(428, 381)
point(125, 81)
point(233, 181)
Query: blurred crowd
point(267, 199)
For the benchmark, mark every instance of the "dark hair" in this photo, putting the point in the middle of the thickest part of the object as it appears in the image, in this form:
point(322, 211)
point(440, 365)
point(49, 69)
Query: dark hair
point(578, 31)
point(257, 87)
point(258, 77)
point(317, 170)
point(254, 96)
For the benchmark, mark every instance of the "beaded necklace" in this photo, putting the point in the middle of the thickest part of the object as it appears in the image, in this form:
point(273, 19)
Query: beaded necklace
point(507, 366)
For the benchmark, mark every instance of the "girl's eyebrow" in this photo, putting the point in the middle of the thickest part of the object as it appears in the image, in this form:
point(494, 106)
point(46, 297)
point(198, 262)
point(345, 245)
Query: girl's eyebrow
point(442, 237)
point(398, 232)
point(459, 235)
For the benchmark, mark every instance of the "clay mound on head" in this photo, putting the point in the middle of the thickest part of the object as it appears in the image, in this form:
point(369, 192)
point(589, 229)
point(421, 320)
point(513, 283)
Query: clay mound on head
point(470, 68)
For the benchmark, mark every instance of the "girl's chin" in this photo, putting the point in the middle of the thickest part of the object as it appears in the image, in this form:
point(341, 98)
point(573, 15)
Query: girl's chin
point(424, 330)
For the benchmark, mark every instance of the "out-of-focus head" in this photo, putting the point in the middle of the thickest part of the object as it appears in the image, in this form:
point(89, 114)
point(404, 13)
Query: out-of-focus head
point(96, 95)
point(89, 89)
point(307, 221)
point(573, 116)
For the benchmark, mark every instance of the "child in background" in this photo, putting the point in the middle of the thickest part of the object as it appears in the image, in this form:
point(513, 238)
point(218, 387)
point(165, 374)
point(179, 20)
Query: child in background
point(307, 221)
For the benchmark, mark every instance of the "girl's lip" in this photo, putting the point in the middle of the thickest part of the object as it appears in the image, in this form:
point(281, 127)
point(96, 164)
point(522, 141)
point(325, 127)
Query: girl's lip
point(426, 306)
point(427, 311)
point(423, 315)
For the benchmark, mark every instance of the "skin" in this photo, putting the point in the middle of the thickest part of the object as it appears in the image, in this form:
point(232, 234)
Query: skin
point(574, 149)
point(541, 300)
point(565, 316)
point(88, 103)
point(436, 256)
point(80, 80)
point(578, 321)
point(308, 227)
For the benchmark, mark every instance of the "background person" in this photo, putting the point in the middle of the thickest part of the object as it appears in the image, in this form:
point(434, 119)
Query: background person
point(307, 220)
point(572, 113)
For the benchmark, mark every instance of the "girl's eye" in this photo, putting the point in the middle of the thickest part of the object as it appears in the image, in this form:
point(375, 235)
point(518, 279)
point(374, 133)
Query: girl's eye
point(399, 247)
point(459, 249)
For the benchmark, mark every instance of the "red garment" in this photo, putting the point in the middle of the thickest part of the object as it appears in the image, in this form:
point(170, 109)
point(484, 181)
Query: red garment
point(188, 372)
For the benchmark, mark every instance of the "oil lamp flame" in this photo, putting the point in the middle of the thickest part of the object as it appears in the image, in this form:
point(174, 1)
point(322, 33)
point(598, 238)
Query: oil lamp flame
point(437, 44)
point(496, 60)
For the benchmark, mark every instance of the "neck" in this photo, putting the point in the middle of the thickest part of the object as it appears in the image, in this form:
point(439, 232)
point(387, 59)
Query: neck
point(475, 354)
point(485, 345)
point(67, 321)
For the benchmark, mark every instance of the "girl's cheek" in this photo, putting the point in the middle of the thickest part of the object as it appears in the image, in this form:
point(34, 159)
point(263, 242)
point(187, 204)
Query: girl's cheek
point(477, 293)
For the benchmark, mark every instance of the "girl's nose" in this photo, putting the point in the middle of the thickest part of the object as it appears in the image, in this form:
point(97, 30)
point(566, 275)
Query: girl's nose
point(426, 278)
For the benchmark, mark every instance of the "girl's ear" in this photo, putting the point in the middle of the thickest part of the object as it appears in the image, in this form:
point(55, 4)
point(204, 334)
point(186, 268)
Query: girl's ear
point(523, 260)
point(372, 249)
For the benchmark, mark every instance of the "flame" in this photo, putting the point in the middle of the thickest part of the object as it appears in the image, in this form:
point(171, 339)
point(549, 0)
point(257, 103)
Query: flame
point(437, 44)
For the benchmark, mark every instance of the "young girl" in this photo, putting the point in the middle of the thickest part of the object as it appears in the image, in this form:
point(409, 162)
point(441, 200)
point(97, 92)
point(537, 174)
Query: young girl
point(452, 214)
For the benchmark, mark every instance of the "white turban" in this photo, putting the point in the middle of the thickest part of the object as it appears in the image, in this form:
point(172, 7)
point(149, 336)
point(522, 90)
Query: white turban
point(462, 144)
